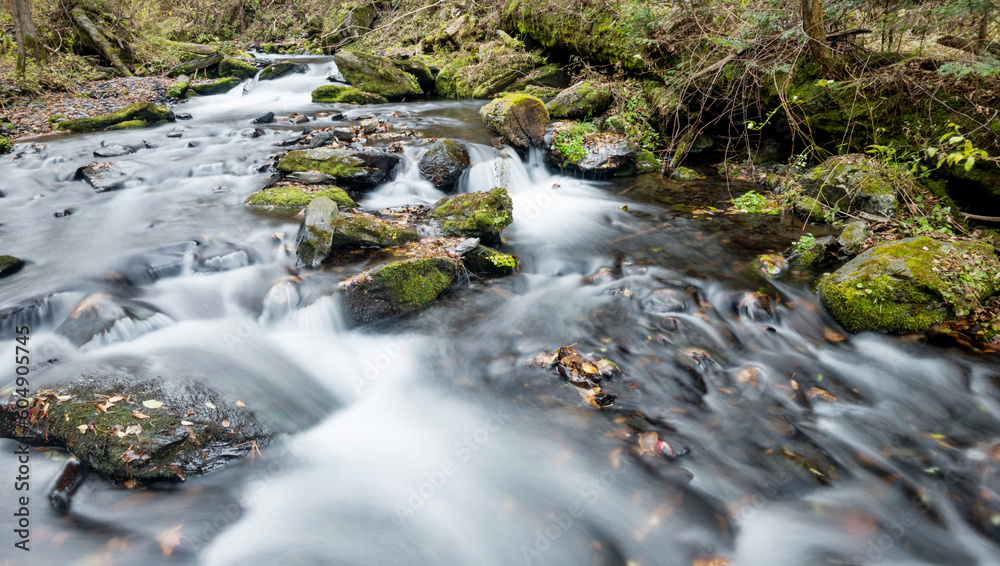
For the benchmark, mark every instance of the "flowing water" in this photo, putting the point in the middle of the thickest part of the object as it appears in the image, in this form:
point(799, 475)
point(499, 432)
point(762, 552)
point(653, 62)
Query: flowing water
point(431, 440)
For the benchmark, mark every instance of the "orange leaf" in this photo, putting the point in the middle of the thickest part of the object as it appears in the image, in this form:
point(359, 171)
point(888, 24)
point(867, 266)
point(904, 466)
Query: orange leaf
point(170, 538)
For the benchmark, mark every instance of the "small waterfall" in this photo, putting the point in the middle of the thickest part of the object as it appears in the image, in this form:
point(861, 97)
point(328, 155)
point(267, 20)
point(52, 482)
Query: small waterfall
point(407, 188)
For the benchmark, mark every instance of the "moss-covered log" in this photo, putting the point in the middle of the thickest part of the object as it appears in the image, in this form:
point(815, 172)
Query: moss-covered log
point(100, 42)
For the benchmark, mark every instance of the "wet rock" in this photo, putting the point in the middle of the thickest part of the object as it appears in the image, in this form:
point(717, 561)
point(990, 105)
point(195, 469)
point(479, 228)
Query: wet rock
point(281, 69)
point(418, 69)
point(297, 197)
point(178, 89)
point(10, 265)
point(129, 428)
point(369, 126)
point(685, 174)
point(358, 20)
point(145, 111)
point(217, 87)
point(910, 285)
point(96, 314)
point(110, 176)
point(182, 116)
point(345, 95)
point(315, 237)
point(521, 119)
point(488, 262)
point(265, 119)
point(811, 253)
point(480, 215)
point(374, 74)
point(397, 288)
point(311, 178)
point(194, 65)
point(363, 169)
point(768, 266)
point(343, 134)
point(238, 68)
point(113, 150)
point(582, 146)
point(443, 163)
point(857, 182)
point(582, 100)
point(853, 237)
point(364, 230)
point(321, 139)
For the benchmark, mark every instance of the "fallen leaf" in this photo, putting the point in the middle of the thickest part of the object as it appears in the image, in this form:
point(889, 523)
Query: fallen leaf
point(209, 405)
point(170, 538)
point(115, 399)
point(82, 428)
point(63, 398)
point(187, 423)
point(152, 404)
point(131, 483)
point(832, 335)
point(133, 429)
point(138, 415)
point(177, 471)
point(225, 423)
point(240, 404)
point(131, 456)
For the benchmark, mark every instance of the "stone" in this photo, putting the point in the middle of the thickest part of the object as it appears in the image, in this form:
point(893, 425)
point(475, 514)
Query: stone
point(856, 182)
point(521, 119)
point(345, 95)
point(377, 75)
point(582, 146)
point(443, 163)
point(315, 236)
point(488, 262)
point(582, 100)
point(397, 288)
point(363, 169)
point(10, 265)
point(148, 112)
point(193, 66)
point(113, 150)
point(237, 68)
point(480, 215)
point(297, 197)
point(852, 237)
point(281, 69)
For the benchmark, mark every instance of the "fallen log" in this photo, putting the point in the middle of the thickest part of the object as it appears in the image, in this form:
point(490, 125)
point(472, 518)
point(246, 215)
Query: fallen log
point(969, 45)
point(100, 42)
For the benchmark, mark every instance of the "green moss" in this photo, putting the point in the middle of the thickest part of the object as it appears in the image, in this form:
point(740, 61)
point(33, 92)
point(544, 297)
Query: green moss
point(4, 145)
point(145, 111)
point(298, 197)
point(480, 214)
point(909, 285)
point(55, 118)
point(178, 89)
point(413, 284)
point(687, 174)
point(10, 264)
point(489, 262)
point(351, 230)
point(129, 125)
point(345, 95)
point(583, 100)
point(336, 164)
point(568, 139)
point(375, 74)
point(218, 87)
point(238, 68)
point(520, 118)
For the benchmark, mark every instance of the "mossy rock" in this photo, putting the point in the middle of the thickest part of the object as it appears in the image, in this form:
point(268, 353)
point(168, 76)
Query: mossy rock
point(852, 237)
point(397, 288)
point(10, 265)
point(812, 254)
point(5, 145)
point(582, 100)
point(298, 197)
point(375, 74)
point(454, 35)
point(766, 267)
point(443, 163)
point(808, 208)
point(488, 262)
point(910, 285)
point(315, 237)
point(857, 182)
point(345, 95)
point(646, 162)
point(281, 69)
point(55, 118)
point(129, 125)
point(363, 169)
point(452, 82)
point(418, 69)
point(154, 444)
point(178, 89)
point(366, 230)
point(193, 66)
point(582, 146)
point(521, 119)
point(218, 87)
point(146, 111)
point(238, 68)
point(685, 174)
point(480, 215)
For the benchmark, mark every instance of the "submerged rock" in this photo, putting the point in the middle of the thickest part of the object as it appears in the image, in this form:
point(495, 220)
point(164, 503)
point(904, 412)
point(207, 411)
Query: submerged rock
point(345, 95)
point(582, 100)
point(375, 74)
point(443, 163)
point(281, 69)
point(397, 288)
point(110, 176)
point(10, 265)
point(521, 119)
point(146, 111)
point(363, 169)
point(298, 197)
point(857, 182)
point(480, 215)
point(910, 285)
point(128, 428)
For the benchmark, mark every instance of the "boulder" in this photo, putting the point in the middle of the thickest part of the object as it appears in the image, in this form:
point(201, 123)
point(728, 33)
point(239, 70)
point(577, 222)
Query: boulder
point(362, 169)
point(345, 95)
point(584, 147)
point(521, 119)
point(856, 182)
point(129, 428)
point(238, 68)
point(852, 237)
point(111, 176)
point(488, 262)
point(146, 111)
point(910, 285)
point(443, 163)
point(98, 313)
point(366, 230)
point(281, 69)
point(356, 22)
point(811, 253)
point(315, 237)
point(582, 100)
point(178, 89)
point(418, 69)
point(10, 265)
point(195, 65)
point(215, 87)
point(113, 150)
point(297, 197)
point(480, 215)
point(397, 288)
point(375, 74)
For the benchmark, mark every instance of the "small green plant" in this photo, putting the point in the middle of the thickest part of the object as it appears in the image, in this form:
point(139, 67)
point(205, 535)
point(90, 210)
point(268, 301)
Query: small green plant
point(954, 148)
point(752, 201)
point(804, 242)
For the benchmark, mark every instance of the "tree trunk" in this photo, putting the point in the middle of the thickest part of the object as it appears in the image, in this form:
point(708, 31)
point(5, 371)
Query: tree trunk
point(27, 39)
point(812, 24)
point(100, 42)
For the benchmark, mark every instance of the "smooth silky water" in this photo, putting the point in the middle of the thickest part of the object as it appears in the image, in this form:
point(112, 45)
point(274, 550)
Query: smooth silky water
point(430, 440)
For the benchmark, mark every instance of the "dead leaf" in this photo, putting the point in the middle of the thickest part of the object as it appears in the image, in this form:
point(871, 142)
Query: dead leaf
point(170, 538)
point(133, 429)
point(209, 405)
point(240, 404)
point(832, 335)
point(187, 423)
point(225, 423)
point(115, 399)
point(138, 415)
point(152, 404)
point(131, 483)
point(131, 456)
point(82, 428)
point(747, 375)
point(177, 471)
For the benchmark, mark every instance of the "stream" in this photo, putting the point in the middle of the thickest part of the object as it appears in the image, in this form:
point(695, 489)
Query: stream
point(432, 439)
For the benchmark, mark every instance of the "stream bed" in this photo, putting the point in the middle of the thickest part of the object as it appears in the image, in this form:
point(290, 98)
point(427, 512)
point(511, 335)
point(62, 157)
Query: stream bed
point(745, 426)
